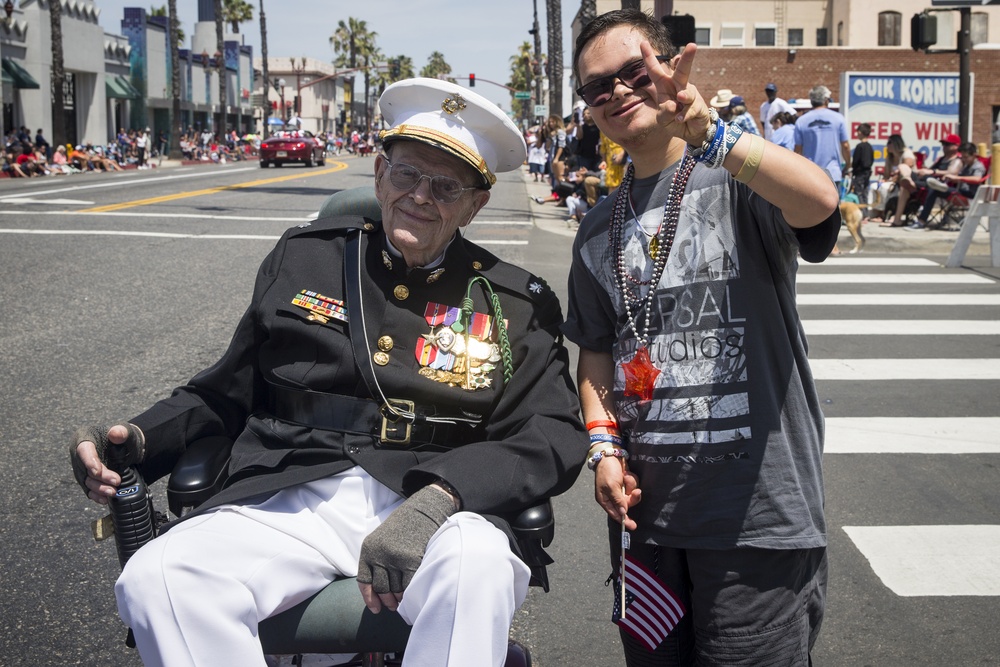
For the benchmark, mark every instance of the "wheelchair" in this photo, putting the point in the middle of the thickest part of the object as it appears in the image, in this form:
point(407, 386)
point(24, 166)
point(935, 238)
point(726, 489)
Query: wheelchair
point(335, 620)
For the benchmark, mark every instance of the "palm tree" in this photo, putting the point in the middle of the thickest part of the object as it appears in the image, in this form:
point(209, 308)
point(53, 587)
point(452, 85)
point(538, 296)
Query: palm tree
point(402, 68)
point(220, 66)
point(267, 77)
point(346, 41)
point(520, 79)
point(165, 11)
point(588, 11)
point(58, 76)
point(235, 12)
point(553, 23)
point(175, 83)
point(369, 52)
point(437, 67)
point(631, 4)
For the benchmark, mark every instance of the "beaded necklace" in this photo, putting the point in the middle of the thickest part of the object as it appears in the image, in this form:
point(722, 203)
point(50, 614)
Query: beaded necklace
point(640, 373)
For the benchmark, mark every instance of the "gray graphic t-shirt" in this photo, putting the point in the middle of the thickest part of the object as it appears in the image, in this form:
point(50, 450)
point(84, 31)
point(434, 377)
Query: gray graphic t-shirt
point(729, 450)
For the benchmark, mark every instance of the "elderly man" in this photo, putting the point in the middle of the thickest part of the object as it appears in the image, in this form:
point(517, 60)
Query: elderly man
point(390, 386)
point(821, 135)
point(705, 425)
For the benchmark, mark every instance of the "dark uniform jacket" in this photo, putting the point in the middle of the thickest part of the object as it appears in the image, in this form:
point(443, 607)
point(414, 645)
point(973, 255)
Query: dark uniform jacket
point(529, 444)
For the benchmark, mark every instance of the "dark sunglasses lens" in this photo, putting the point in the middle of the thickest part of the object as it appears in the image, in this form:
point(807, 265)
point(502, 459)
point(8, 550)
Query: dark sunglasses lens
point(597, 92)
point(636, 77)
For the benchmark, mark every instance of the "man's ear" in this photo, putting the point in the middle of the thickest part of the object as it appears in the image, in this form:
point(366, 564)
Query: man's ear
point(380, 167)
point(480, 199)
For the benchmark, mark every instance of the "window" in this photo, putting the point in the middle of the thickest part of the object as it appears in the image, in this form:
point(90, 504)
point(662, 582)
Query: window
point(764, 35)
point(890, 28)
point(795, 37)
point(732, 34)
point(703, 36)
point(980, 29)
point(822, 38)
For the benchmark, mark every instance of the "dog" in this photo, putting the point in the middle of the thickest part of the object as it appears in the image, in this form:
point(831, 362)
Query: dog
point(853, 217)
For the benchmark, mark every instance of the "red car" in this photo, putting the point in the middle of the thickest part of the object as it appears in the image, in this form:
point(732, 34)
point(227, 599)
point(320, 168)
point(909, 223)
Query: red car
point(292, 146)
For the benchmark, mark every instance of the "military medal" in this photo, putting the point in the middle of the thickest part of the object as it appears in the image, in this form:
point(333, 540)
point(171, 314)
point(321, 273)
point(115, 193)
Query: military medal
point(462, 354)
point(640, 373)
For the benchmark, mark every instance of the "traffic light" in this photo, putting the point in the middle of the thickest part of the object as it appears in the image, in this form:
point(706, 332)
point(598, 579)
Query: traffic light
point(472, 81)
point(923, 31)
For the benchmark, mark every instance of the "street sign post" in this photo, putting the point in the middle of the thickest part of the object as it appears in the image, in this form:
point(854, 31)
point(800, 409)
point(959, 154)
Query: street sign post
point(522, 94)
point(541, 109)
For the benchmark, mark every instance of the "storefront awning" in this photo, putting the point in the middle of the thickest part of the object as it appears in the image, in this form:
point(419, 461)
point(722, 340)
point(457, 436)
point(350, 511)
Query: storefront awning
point(119, 87)
point(19, 76)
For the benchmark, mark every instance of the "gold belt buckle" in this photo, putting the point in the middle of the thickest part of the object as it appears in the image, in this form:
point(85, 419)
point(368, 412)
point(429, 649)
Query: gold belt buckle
point(396, 429)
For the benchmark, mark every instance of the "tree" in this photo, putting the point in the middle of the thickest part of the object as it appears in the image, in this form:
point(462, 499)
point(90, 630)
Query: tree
point(588, 11)
point(235, 12)
point(401, 67)
point(369, 52)
point(346, 41)
point(165, 12)
point(58, 76)
point(437, 67)
point(173, 28)
point(220, 66)
point(520, 79)
point(267, 76)
point(553, 23)
point(631, 4)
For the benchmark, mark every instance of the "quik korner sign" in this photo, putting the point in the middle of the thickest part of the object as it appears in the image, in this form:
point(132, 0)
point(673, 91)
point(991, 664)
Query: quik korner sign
point(920, 107)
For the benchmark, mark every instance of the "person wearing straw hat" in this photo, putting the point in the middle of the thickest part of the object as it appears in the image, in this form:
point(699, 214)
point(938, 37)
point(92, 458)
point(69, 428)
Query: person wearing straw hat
point(391, 389)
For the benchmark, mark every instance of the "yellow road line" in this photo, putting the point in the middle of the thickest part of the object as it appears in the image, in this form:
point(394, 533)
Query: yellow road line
point(340, 166)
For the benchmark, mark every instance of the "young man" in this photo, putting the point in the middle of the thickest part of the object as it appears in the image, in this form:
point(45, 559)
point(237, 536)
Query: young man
point(771, 108)
point(373, 435)
point(693, 374)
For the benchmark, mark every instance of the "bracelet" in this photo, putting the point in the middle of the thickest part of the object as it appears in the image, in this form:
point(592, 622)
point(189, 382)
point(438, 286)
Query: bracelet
point(749, 168)
point(733, 134)
point(606, 423)
point(710, 155)
point(616, 452)
point(606, 437)
point(713, 117)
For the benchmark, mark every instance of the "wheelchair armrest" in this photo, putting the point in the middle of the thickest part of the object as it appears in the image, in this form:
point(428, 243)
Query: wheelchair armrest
point(533, 529)
point(199, 474)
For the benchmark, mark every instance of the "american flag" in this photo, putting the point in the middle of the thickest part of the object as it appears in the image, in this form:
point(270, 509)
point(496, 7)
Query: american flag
point(651, 608)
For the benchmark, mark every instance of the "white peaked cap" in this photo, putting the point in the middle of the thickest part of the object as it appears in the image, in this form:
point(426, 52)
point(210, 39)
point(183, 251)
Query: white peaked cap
point(453, 119)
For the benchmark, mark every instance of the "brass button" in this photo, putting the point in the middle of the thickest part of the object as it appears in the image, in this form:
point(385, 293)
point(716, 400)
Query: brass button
point(369, 226)
point(401, 292)
point(477, 266)
point(380, 358)
point(385, 343)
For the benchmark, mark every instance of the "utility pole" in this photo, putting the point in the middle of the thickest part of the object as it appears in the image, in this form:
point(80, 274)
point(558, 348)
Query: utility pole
point(965, 84)
point(537, 68)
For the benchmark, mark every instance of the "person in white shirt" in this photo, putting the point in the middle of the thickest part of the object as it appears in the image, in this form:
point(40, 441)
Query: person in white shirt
point(771, 108)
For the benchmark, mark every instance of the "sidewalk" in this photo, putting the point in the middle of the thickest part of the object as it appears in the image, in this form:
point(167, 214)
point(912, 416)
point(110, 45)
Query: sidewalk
point(552, 218)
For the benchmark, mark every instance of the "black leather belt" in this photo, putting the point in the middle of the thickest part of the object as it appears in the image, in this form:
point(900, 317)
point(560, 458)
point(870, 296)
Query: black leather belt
point(350, 414)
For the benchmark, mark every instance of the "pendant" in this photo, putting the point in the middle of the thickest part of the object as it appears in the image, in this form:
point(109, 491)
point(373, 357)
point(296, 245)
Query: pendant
point(654, 247)
point(640, 375)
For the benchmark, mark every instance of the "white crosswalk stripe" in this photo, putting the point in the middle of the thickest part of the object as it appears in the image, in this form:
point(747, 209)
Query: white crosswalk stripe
point(865, 358)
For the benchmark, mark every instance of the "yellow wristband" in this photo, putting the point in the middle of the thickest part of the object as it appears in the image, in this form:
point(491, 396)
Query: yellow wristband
point(749, 168)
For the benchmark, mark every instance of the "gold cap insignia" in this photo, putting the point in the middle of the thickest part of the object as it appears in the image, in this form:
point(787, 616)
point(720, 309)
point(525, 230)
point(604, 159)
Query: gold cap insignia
point(452, 105)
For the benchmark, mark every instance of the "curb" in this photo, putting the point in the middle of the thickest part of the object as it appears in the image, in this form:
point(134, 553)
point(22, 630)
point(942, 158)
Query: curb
point(551, 218)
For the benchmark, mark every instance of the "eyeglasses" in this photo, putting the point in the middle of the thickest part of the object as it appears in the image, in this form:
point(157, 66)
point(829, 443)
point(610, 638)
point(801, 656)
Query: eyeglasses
point(633, 75)
point(445, 189)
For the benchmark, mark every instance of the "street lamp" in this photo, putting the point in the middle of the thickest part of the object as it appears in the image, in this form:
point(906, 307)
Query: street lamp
point(298, 69)
point(280, 85)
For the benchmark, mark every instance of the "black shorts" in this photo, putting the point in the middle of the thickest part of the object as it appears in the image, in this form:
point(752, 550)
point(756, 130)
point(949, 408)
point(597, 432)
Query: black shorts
point(744, 606)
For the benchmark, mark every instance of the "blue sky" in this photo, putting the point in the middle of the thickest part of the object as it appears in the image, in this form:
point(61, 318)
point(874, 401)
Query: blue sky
point(474, 36)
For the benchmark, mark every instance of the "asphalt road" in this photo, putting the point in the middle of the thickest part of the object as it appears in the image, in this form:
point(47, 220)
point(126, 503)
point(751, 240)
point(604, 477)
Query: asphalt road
point(117, 287)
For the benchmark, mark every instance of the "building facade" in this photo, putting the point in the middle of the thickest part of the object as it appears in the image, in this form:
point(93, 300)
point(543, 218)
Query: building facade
point(306, 88)
point(797, 44)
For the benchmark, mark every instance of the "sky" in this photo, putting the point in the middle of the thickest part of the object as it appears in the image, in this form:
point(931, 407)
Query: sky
point(475, 36)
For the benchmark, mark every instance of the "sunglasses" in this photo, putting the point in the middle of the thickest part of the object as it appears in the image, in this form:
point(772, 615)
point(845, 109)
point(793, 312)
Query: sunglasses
point(444, 189)
point(633, 75)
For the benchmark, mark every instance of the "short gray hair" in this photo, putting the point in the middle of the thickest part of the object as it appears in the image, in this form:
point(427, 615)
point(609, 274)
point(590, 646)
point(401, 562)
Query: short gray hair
point(819, 95)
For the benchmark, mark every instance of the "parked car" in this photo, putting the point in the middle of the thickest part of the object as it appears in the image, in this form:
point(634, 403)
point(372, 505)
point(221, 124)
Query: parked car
point(292, 146)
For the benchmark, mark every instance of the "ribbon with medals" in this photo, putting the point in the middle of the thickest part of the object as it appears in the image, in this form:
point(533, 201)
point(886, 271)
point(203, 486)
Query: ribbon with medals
point(459, 351)
point(321, 308)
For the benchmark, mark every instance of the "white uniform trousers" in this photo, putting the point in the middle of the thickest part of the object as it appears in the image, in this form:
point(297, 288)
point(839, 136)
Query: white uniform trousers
point(195, 595)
